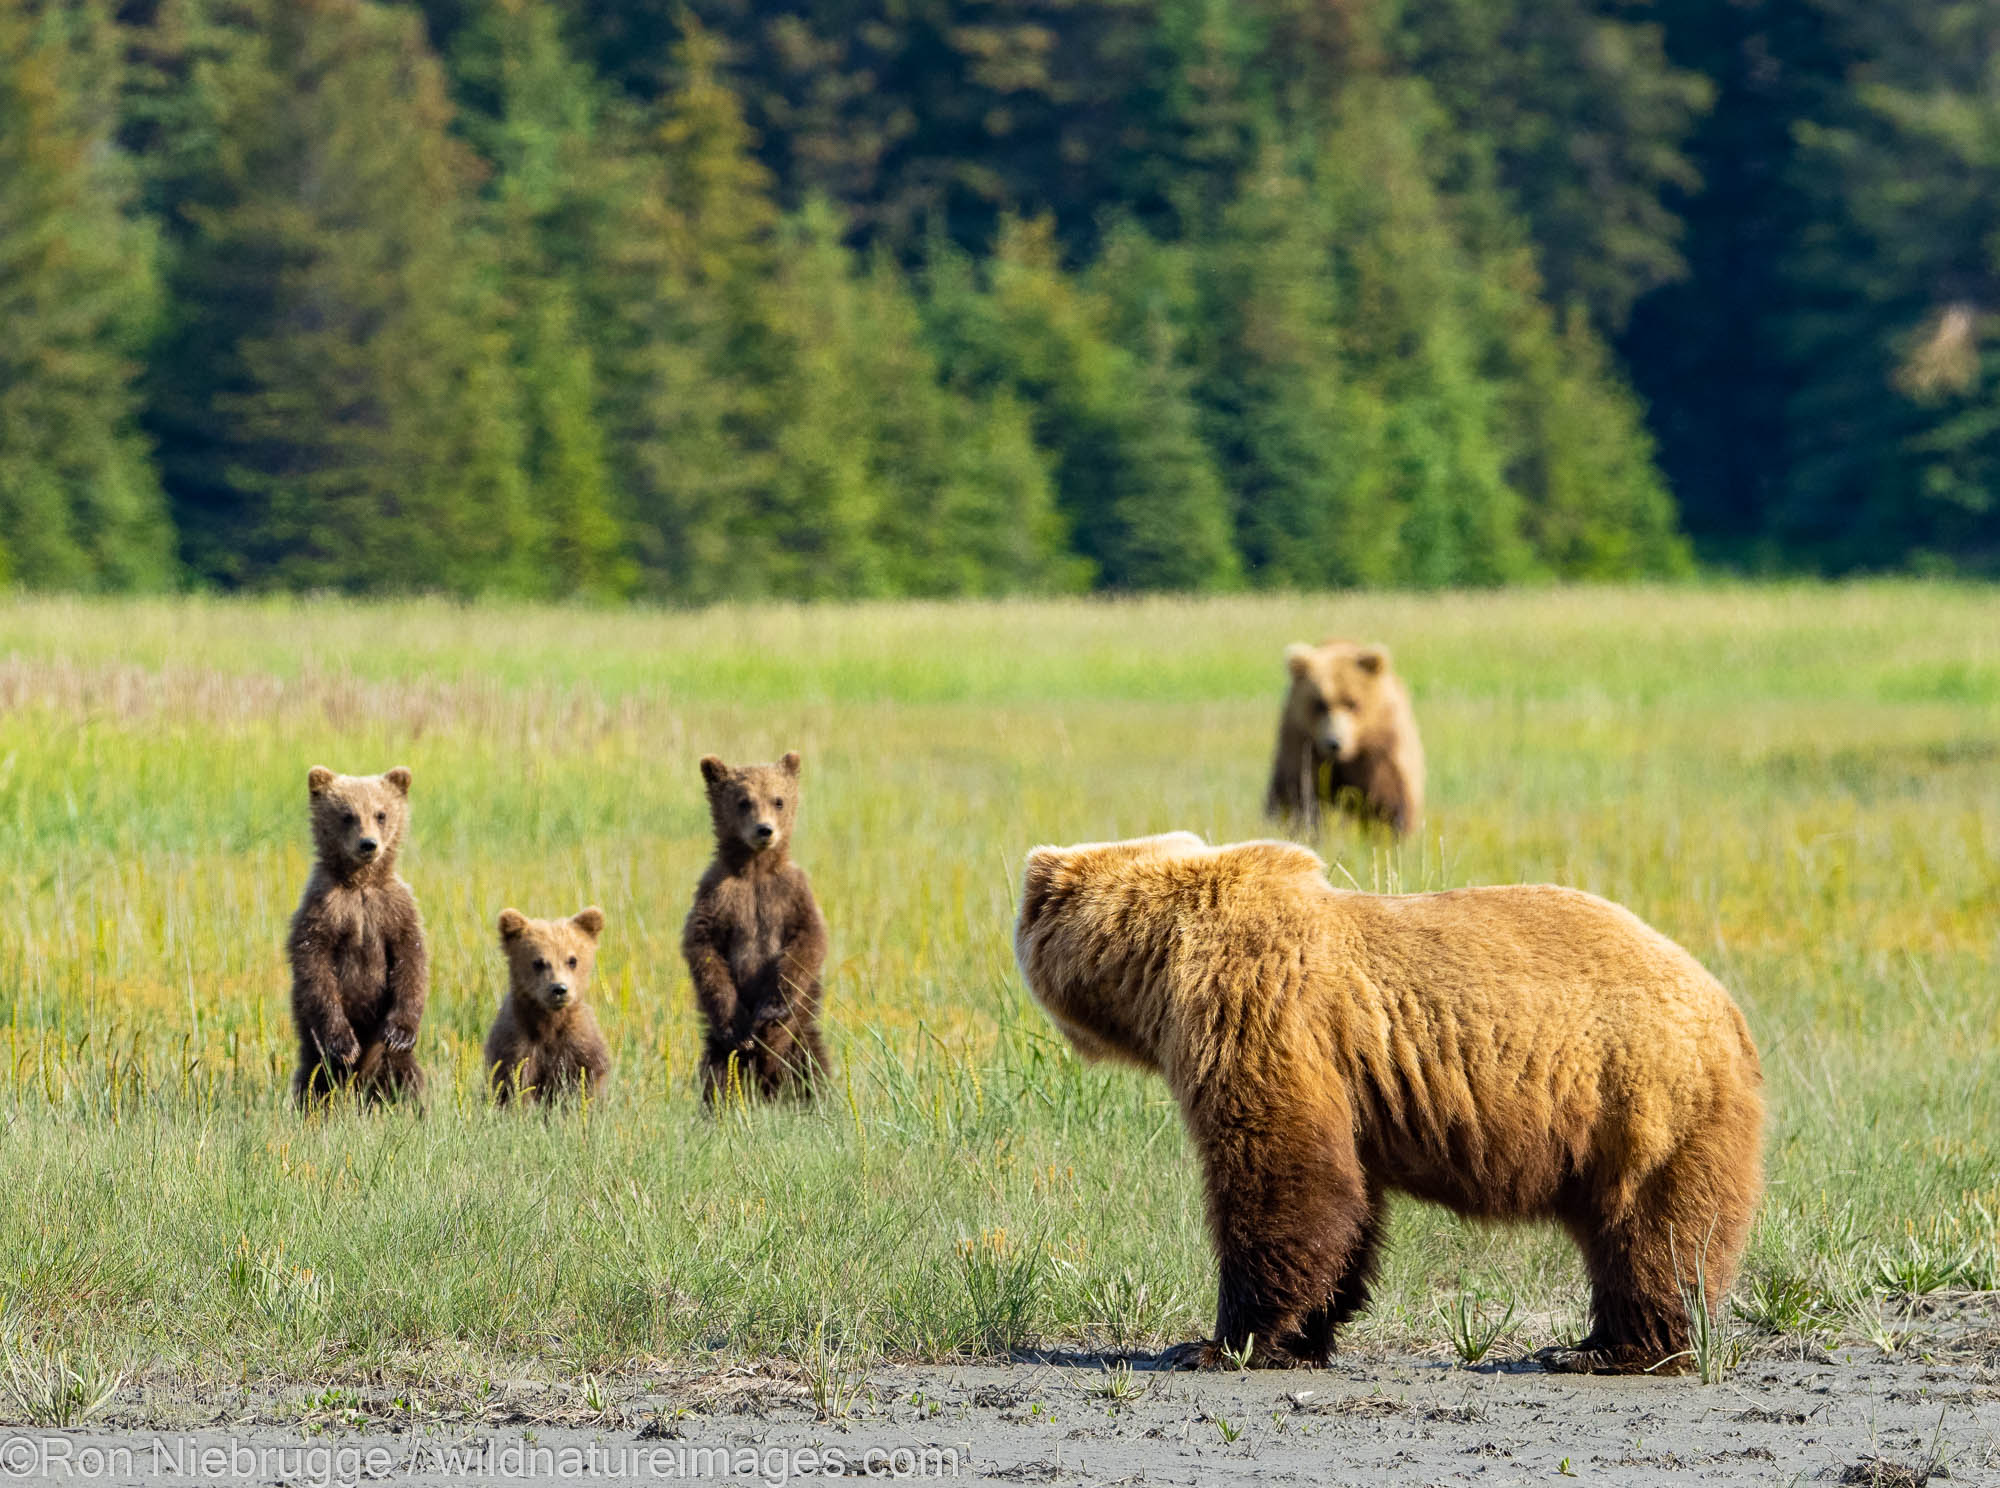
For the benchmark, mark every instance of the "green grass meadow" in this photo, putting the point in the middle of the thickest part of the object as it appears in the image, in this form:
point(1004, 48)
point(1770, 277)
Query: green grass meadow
point(1801, 784)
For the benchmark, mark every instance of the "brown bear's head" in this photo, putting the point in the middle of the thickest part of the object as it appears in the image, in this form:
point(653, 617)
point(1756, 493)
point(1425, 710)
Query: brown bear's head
point(1134, 948)
point(549, 961)
point(1338, 689)
point(753, 806)
point(1084, 939)
point(358, 820)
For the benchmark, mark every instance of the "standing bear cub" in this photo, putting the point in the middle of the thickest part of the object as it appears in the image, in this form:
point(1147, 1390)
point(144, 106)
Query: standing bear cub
point(754, 940)
point(1346, 737)
point(545, 1044)
point(359, 968)
point(1511, 1053)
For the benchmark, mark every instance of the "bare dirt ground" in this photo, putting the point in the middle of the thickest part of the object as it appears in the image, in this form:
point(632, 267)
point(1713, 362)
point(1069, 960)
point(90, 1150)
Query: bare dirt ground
point(1854, 1416)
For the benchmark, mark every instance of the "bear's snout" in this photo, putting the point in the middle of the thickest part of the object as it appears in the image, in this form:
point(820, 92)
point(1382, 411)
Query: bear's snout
point(366, 847)
point(764, 831)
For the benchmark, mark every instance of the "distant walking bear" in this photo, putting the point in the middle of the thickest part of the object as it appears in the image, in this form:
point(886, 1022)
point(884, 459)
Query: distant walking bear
point(545, 1044)
point(1346, 738)
point(755, 941)
point(1511, 1053)
point(359, 967)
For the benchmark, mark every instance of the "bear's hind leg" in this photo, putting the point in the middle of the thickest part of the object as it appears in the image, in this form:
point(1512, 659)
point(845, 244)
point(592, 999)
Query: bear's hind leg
point(314, 1084)
point(386, 1074)
point(806, 1061)
point(727, 1075)
point(1691, 1221)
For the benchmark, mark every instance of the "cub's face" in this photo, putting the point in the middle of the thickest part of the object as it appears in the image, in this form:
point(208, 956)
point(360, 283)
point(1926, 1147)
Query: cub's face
point(358, 820)
point(549, 961)
point(1336, 687)
point(754, 805)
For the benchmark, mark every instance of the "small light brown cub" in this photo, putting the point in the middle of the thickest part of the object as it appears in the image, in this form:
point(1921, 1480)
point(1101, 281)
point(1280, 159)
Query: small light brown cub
point(545, 1044)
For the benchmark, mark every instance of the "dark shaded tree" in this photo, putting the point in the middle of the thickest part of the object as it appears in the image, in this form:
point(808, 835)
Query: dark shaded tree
point(80, 506)
point(334, 402)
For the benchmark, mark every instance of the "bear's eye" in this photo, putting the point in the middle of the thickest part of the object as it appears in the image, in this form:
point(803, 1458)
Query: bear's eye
point(743, 805)
point(540, 964)
point(779, 804)
point(353, 819)
point(381, 816)
point(1319, 705)
point(572, 963)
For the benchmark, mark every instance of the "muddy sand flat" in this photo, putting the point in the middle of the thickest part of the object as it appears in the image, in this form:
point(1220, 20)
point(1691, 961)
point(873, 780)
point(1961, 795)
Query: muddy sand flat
point(1844, 1418)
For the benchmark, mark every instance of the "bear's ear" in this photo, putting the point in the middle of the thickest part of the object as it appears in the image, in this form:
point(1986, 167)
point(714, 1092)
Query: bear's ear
point(713, 769)
point(400, 778)
point(590, 921)
point(1374, 660)
point(318, 778)
point(791, 762)
point(512, 923)
point(1298, 659)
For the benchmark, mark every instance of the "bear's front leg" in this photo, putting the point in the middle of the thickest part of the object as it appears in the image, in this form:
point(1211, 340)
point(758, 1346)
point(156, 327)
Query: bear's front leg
point(1295, 1226)
point(1293, 794)
point(409, 984)
point(714, 987)
point(328, 1048)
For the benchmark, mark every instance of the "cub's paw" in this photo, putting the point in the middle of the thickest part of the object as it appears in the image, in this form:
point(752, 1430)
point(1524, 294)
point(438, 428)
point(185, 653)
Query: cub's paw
point(342, 1049)
point(399, 1038)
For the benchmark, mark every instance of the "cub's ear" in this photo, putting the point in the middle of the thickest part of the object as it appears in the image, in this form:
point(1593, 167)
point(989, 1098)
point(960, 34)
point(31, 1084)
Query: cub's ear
point(318, 778)
point(590, 921)
point(512, 923)
point(400, 778)
point(712, 768)
point(1374, 660)
point(1298, 658)
point(791, 762)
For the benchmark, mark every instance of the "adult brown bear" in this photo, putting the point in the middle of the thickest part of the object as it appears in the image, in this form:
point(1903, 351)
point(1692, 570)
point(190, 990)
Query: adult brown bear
point(1511, 1053)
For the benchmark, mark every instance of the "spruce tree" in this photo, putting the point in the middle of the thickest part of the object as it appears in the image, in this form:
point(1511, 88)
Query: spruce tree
point(80, 505)
point(1576, 447)
point(698, 352)
point(530, 111)
point(1297, 438)
point(1134, 480)
point(887, 481)
point(1407, 306)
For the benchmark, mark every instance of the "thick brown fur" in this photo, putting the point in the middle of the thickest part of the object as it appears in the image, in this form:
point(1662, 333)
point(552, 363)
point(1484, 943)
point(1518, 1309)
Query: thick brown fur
point(360, 971)
point(1512, 1053)
point(545, 1044)
point(755, 941)
point(1346, 737)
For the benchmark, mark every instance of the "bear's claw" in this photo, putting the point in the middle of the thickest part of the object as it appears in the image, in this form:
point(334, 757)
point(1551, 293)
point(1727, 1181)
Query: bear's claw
point(1200, 1354)
point(1587, 1360)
